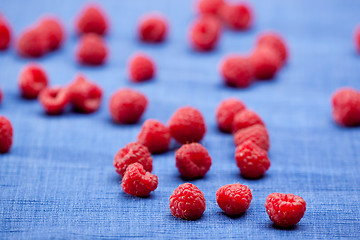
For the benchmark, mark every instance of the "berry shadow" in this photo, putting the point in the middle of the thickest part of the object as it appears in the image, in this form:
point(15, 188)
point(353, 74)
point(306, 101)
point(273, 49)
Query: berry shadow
point(276, 227)
point(232, 216)
point(130, 197)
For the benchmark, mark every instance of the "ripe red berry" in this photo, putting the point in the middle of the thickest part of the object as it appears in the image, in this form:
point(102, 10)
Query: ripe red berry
point(32, 43)
point(92, 19)
point(357, 39)
point(155, 136)
point(266, 62)
point(92, 50)
point(192, 160)
point(238, 16)
point(6, 134)
point(210, 6)
point(205, 33)
point(346, 107)
point(255, 133)
point(54, 100)
point(234, 199)
point(252, 160)
point(285, 210)
point(141, 68)
point(187, 125)
point(275, 42)
point(237, 71)
point(5, 34)
point(32, 81)
point(127, 106)
point(153, 28)
point(187, 202)
point(245, 119)
point(132, 153)
point(226, 112)
point(53, 32)
point(137, 181)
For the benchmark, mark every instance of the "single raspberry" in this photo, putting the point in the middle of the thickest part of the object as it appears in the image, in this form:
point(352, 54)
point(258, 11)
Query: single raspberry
point(252, 160)
point(187, 125)
point(127, 106)
point(205, 33)
point(92, 50)
point(6, 134)
point(357, 39)
point(54, 100)
point(192, 160)
point(346, 107)
point(153, 28)
point(238, 16)
point(266, 62)
point(141, 68)
point(132, 153)
point(92, 19)
point(285, 210)
point(226, 112)
point(210, 6)
point(53, 31)
point(155, 136)
point(137, 181)
point(245, 119)
point(255, 133)
point(32, 81)
point(275, 42)
point(32, 43)
point(5, 34)
point(234, 199)
point(237, 71)
point(187, 202)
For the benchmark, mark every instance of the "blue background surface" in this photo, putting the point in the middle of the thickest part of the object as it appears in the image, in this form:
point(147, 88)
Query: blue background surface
point(58, 181)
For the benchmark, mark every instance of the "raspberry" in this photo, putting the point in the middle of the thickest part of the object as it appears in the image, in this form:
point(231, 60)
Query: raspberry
point(237, 71)
point(205, 33)
point(245, 119)
point(54, 100)
point(210, 6)
point(137, 181)
point(285, 210)
point(91, 50)
point(127, 106)
point(153, 29)
point(256, 134)
point(141, 68)
point(187, 125)
point(266, 63)
point(252, 160)
point(155, 136)
point(32, 43)
point(192, 160)
point(32, 81)
point(132, 153)
point(346, 107)
point(234, 199)
point(187, 202)
point(237, 17)
point(6, 134)
point(276, 43)
point(92, 20)
point(5, 34)
point(53, 32)
point(357, 39)
point(226, 112)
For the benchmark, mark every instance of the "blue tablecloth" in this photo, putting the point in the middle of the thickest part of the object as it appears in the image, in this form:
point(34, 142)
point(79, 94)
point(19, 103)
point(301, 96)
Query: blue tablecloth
point(58, 181)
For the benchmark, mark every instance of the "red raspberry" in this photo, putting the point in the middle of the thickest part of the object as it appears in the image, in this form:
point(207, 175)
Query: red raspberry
point(210, 6)
point(153, 28)
point(32, 43)
point(54, 100)
point(192, 160)
point(141, 68)
point(205, 33)
point(252, 160)
point(256, 134)
point(237, 71)
point(275, 42)
point(127, 106)
point(91, 50)
point(155, 136)
point(53, 32)
point(5, 33)
point(137, 181)
point(6, 134)
point(32, 81)
point(285, 210)
point(187, 202)
point(92, 20)
point(266, 62)
point(346, 107)
point(226, 112)
point(357, 39)
point(187, 125)
point(245, 119)
point(234, 199)
point(237, 17)
point(132, 153)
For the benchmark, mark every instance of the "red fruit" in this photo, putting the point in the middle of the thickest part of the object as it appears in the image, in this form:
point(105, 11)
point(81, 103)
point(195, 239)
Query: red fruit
point(132, 153)
point(237, 71)
point(346, 107)
point(53, 32)
point(187, 125)
point(285, 210)
point(187, 202)
point(54, 100)
point(141, 68)
point(32, 81)
point(6, 134)
point(205, 33)
point(357, 39)
point(192, 160)
point(1, 95)
point(237, 17)
point(245, 119)
point(210, 6)
point(32, 43)
point(127, 106)
point(92, 20)
point(234, 199)
point(91, 50)
point(153, 29)
point(255, 133)
point(5, 34)
point(266, 63)
point(252, 160)
point(155, 136)
point(138, 182)
point(275, 42)
point(226, 112)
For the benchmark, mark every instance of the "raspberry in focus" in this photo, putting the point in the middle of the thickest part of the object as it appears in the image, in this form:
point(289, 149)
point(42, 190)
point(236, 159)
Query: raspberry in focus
point(53, 32)
point(244, 119)
point(92, 50)
point(226, 112)
point(141, 68)
point(237, 16)
point(32, 81)
point(92, 19)
point(6, 134)
point(237, 71)
point(256, 134)
point(155, 136)
point(32, 43)
point(210, 6)
point(5, 34)
point(54, 100)
point(153, 28)
point(205, 33)
point(234, 199)
point(346, 107)
point(266, 63)
point(275, 42)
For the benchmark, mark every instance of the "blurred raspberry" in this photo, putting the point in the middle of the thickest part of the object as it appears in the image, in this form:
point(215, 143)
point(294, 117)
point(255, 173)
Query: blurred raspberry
point(1, 96)
point(255, 133)
point(275, 42)
point(237, 16)
point(357, 39)
point(155, 136)
point(346, 107)
point(266, 62)
point(205, 33)
point(234, 199)
point(92, 19)
point(210, 6)
point(226, 112)
point(92, 50)
point(53, 32)
point(32, 81)
point(5, 33)
point(54, 100)
point(245, 119)
point(153, 28)
point(237, 71)
point(6, 134)
point(141, 68)
point(32, 43)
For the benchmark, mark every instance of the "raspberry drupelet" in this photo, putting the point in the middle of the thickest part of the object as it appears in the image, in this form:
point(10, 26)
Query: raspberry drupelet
point(266, 62)
point(53, 32)
point(92, 50)
point(346, 107)
point(205, 33)
point(54, 100)
point(6, 134)
point(153, 28)
point(32, 43)
point(92, 19)
point(32, 81)
point(244, 119)
point(155, 136)
point(210, 6)
point(256, 134)
point(141, 68)
point(234, 199)
point(237, 71)
point(226, 112)
point(275, 42)
point(237, 16)
point(5, 33)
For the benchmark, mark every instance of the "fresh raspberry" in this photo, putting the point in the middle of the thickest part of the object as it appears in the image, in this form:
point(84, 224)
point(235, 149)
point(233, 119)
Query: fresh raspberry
point(153, 28)
point(226, 112)
point(210, 6)
point(32, 43)
point(53, 31)
point(205, 33)
point(54, 100)
point(357, 39)
point(187, 202)
point(155, 136)
point(32, 81)
point(5, 34)
point(346, 107)
point(141, 68)
point(6, 134)
point(137, 181)
point(245, 119)
point(187, 125)
point(92, 19)
point(132, 153)
point(127, 106)
point(192, 160)
point(255, 133)
point(237, 71)
point(266, 62)
point(238, 16)
point(252, 160)
point(285, 210)
point(276, 42)
point(92, 50)
point(234, 199)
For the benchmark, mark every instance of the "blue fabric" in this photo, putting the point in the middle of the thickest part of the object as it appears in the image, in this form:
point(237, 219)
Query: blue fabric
point(58, 180)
